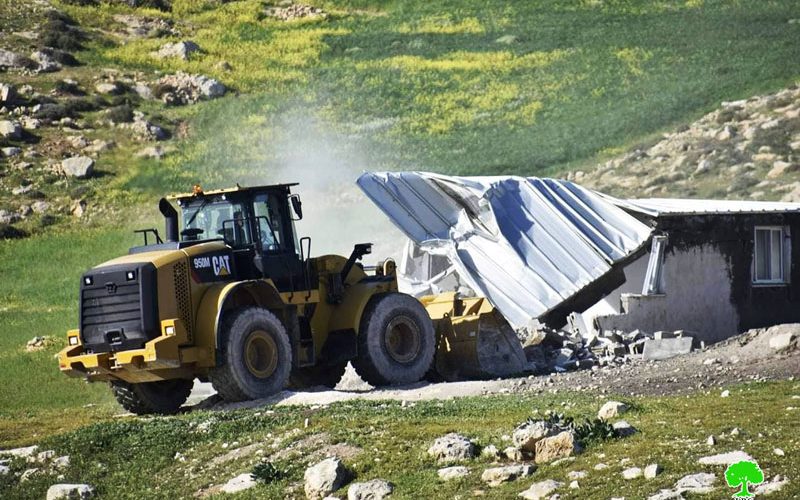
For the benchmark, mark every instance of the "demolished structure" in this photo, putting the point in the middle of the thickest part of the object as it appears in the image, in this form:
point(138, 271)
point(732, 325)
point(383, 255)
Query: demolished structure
point(610, 273)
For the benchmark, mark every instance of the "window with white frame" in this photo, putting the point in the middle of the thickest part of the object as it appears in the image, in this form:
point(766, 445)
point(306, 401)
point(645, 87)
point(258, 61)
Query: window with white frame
point(769, 262)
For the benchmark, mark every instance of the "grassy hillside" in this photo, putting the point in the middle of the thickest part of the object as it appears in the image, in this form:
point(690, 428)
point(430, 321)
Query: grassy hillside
point(467, 87)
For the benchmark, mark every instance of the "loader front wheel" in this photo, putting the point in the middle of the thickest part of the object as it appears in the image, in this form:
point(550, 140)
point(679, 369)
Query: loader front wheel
point(164, 397)
point(256, 355)
point(396, 340)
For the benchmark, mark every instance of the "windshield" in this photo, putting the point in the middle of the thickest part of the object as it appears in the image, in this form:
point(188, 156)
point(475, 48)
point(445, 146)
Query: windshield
point(207, 219)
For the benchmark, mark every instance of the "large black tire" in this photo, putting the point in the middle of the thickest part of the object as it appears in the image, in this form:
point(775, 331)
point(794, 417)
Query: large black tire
point(164, 397)
point(256, 355)
point(312, 376)
point(396, 340)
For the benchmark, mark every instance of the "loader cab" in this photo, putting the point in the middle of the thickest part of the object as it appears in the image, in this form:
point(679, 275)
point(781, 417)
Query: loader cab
point(257, 223)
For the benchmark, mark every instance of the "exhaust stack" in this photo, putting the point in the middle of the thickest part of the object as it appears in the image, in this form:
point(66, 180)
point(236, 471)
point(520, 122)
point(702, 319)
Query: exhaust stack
point(170, 220)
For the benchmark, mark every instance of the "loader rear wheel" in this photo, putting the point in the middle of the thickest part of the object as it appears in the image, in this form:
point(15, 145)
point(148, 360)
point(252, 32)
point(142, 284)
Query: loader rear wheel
point(256, 355)
point(312, 376)
point(164, 397)
point(396, 340)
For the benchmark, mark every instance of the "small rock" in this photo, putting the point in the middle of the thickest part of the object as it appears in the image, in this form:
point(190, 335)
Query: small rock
point(43, 456)
point(452, 448)
point(377, 489)
point(491, 452)
point(324, 478)
point(496, 476)
point(725, 458)
point(574, 485)
point(455, 472)
point(79, 167)
point(61, 462)
point(541, 490)
point(239, 483)
point(10, 130)
point(779, 452)
point(612, 409)
point(154, 152)
point(70, 491)
point(181, 50)
point(600, 466)
point(40, 207)
point(735, 432)
point(711, 441)
point(559, 446)
point(652, 470)
point(623, 428)
point(108, 88)
point(29, 473)
point(577, 474)
point(10, 151)
point(8, 94)
point(507, 39)
point(696, 483)
point(526, 435)
point(632, 473)
point(726, 393)
point(769, 487)
point(782, 341)
point(514, 454)
point(30, 123)
point(5, 470)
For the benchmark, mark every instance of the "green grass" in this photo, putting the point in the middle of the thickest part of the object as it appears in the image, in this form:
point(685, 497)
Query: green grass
point(133, 457)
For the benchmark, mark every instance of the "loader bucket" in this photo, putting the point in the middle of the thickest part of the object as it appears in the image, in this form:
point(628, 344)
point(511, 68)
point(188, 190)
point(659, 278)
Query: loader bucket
point(474, 341)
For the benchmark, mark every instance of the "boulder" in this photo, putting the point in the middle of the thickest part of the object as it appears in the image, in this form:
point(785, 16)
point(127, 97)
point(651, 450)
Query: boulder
point(377, 489)
point(46, 62)
point(70, 491)
point(324, 478)
point(700, 483)
point(180, 50)
point(80, 167)
point(541, 490)
point(27, 451)
point(491, 452)
point(496, 476)
point(725, 458)
point(10, 130)
point(239, 483)
point(782, 341)
point(552, 448)
point(526, 435)
point(514, 454)
point(10, 59)
point(450, 473)
point(612, 409)
point(452, 448)
point(109, 88)
point(8, 94)
point(10, 151)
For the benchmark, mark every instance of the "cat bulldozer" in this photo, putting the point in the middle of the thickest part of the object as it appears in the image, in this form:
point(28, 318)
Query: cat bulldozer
point(230, 295)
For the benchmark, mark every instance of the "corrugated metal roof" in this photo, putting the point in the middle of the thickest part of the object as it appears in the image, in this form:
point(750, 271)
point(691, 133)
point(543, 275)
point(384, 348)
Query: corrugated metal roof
point(527, 244)
point(675, 206)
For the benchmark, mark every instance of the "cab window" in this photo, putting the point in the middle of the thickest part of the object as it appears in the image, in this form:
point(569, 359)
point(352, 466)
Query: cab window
point(217, 219)
point(268, 210)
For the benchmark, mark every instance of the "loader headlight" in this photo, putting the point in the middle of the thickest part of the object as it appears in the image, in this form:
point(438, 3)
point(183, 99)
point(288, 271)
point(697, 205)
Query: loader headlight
point(130, 275)
point(73, 341)
point(169, 330)
point(87, 280)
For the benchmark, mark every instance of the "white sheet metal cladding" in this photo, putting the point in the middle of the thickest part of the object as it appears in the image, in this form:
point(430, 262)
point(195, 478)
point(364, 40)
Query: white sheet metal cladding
point(527, 244)
point(656, 207)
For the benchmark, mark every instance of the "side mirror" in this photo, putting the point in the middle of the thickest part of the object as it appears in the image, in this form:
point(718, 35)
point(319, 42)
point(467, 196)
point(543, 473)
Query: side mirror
point(297, 206)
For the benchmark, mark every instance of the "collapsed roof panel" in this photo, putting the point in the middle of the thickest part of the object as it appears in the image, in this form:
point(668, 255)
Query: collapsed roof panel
point(527, 244)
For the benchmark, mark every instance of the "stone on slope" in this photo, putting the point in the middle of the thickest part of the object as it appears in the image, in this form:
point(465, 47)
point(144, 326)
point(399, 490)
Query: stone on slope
point(181, 50)
point(455, 472)
point(652, 470)
point(496, 476)
point(324, 478)
point(768, 487)
point(623, 428)
point(702, 482)
point(70, 491)
point(25, 452)
point(728, 458)
point(541, 490)
point(552, 448)
point(10, 130)
point(632, 473)
point(452, 448)
point(80, 167)
point(612, 409)
point(239, 483)
point(377, 489)
point(526, 435)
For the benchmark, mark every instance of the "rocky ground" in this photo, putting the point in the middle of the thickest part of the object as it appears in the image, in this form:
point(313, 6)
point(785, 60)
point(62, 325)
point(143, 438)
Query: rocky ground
point(748, 149)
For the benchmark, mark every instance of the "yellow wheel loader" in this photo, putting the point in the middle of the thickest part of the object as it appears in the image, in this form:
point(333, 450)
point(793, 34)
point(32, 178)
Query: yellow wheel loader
point(232, 296)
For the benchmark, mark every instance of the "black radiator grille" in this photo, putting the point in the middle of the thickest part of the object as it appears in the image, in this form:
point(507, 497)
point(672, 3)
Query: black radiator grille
point(182, 298)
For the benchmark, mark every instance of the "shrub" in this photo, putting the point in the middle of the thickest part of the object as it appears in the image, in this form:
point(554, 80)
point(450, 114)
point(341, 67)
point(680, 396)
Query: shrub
point(120, 114)
point(71, 88)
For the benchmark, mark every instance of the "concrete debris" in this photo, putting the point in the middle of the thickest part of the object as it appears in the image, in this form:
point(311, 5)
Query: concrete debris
point(451, 473)
point(541, 490)
point(239, 483)
point(70, 491)
point(725, 458)
point(496, 476)
point(452, 448)
point(376, 489)
point(660, 349)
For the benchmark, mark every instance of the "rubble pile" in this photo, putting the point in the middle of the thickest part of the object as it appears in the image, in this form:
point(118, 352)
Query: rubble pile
point(558, 351)
point(183, 88)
